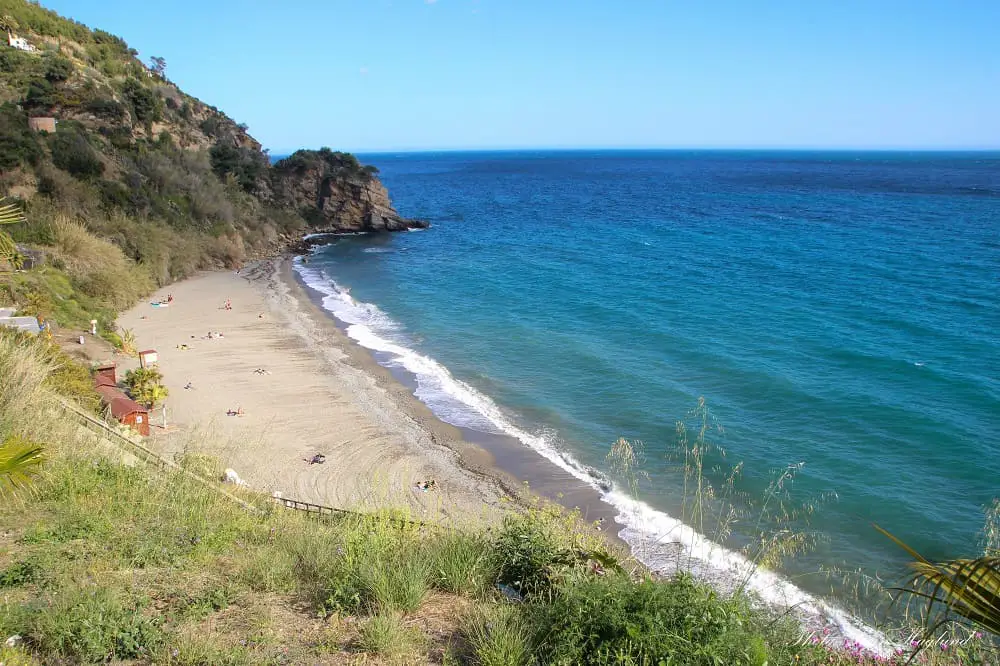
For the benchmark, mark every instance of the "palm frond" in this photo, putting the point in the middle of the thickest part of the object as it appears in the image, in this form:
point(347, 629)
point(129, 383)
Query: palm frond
point(19, 462)
point(969, 588)
point(11, 213)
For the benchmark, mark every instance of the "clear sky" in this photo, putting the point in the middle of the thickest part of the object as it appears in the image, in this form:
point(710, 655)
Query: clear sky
point(373, 75)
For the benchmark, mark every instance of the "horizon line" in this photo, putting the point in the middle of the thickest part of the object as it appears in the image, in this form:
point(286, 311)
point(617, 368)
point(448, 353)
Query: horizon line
point(565, 149)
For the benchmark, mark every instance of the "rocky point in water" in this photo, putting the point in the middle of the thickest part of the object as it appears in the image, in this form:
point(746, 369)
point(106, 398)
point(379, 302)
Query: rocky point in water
point(334, 193)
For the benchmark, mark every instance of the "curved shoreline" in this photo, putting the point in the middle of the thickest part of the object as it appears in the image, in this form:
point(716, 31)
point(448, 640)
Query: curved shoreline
point(500, 458)
point(660, 542)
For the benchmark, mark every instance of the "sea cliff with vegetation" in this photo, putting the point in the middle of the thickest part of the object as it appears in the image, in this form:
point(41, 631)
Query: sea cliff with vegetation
point(105, 557)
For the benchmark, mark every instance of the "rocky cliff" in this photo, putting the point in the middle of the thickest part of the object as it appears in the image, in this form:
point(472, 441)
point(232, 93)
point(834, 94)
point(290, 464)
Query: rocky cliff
point(334, 193)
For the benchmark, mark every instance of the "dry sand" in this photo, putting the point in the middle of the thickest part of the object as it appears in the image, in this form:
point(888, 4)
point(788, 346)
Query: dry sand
point(319, 393)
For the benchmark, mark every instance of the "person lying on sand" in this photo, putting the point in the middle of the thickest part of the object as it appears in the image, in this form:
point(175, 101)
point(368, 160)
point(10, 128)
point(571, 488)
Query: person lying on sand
point(183, 347)
point(261, 371)
point(317, 459)
point(426, 485)
point(235, 412)
point(189, 385)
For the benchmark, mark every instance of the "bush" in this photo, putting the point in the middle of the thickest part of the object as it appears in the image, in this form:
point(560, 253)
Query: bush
point(72, 152)
point(91, 625)
point(114, 195)
point(397, 582)
point(386, 634)
point(41, 95)
point(57, 68)
point(108, 109)
point(245, 165)
point(527, 554)
point(614, 620)
point(498, 636)
point(147, 106)
point(18, 144)
point(460, 564)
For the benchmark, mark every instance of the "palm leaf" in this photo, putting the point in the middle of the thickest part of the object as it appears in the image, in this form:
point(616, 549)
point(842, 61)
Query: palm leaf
point(969, 588)
point(11, 213)
point(19, 461)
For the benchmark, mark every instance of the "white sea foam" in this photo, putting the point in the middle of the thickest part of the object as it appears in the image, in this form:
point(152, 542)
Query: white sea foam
point(655, 537)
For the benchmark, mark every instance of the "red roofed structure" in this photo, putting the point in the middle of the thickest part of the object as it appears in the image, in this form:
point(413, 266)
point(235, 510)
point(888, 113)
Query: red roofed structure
point(123, 408)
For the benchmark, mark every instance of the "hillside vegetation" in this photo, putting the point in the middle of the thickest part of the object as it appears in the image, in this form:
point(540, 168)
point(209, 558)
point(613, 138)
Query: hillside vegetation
point(163, 183)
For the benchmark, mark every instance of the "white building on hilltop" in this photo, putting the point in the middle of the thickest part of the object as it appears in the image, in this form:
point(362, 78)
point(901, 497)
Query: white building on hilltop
point(19, 43)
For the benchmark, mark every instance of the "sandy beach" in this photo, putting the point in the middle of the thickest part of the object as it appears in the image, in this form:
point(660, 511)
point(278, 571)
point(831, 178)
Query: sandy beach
point(303, 389)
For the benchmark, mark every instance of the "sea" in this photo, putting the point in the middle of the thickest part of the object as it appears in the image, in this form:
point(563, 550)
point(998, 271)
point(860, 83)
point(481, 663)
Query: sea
point(833, 318)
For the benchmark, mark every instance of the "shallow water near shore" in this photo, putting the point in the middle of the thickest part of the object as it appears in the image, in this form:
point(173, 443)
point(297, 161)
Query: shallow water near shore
point(837, 310)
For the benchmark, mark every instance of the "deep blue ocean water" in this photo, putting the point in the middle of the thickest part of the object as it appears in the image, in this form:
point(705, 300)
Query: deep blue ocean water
point(839, 310)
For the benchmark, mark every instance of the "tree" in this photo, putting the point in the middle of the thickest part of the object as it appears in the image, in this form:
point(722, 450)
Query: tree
point(144, 385)
point(158, 65)
point(10, 213)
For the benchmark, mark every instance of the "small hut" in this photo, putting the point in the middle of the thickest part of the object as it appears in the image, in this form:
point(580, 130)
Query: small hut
point(124, 409)
point(106, 375)
point(148, 358)
point(42, 125)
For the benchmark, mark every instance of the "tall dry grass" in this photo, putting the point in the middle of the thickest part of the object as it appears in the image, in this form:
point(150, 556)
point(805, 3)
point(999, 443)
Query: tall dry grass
point(99, 268)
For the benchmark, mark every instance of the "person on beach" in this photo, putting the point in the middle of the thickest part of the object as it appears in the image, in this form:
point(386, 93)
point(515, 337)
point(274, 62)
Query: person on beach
point(229, 304)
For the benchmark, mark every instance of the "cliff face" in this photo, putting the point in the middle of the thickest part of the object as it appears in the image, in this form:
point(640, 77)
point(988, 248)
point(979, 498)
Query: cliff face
point(334, 193)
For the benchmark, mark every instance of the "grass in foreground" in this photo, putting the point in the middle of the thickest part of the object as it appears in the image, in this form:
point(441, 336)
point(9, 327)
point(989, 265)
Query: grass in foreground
point(103, 562)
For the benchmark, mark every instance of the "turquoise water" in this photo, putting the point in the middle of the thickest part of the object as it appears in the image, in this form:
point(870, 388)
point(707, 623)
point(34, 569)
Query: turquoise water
point(837, 310)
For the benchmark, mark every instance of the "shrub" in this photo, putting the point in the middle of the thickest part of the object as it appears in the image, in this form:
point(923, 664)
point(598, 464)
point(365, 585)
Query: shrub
point(114, 194)
point(19, 573)
point(613, 620)
point(498, 636)
point(72, 152)
point(18, 144)
point(386, 634)
point(527, 554)
point(99, 268)
point(147, 106)
point(57, 68)
point(460, 563)
point(108, 109)
point(395, 582)
point(91, 625)
point(245, 165)
point(41, 95)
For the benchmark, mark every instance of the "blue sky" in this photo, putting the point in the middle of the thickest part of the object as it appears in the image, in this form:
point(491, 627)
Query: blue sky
point(376, 75)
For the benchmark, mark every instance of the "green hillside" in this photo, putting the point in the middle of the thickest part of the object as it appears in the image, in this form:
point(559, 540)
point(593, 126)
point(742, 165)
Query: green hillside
point(166, 183)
